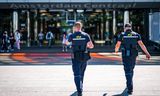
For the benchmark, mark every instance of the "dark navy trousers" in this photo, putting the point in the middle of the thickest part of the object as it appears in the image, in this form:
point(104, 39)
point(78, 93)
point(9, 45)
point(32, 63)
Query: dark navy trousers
point(79, 68)
point(129, 64)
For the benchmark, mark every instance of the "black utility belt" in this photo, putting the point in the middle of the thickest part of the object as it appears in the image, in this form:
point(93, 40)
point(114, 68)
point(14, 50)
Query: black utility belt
point(82, 56)
point(129, 52)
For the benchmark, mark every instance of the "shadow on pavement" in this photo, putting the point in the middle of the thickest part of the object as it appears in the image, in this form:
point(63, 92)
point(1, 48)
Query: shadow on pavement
point(105, 94)
point(124, 93)
point(74, 93)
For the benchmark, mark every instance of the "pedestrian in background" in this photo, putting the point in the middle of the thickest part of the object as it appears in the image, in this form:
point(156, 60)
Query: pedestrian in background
point(12, 41)
point(5, 42)
point(17, 39)
point(49, 37)
point(40, 38)
point(64, 40)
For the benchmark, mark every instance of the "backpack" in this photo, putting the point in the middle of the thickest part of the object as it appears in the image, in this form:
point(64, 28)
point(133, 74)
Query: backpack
point(49, 35)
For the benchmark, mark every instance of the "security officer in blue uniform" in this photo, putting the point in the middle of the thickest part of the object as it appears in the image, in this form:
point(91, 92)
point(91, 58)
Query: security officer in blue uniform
point(80, 55)
point(129, 41)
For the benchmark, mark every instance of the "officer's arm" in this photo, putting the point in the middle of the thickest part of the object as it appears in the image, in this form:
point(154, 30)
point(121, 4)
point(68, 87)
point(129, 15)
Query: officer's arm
point(117, 46)
point(143, 47)
point(68, 43)
point(90, 44)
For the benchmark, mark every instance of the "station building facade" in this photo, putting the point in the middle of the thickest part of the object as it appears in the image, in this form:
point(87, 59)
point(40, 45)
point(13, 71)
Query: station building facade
point(102, 19)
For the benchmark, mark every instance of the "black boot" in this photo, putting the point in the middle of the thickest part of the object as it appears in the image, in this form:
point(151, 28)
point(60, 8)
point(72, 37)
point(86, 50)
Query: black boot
point(130, 92)
point(79, 94)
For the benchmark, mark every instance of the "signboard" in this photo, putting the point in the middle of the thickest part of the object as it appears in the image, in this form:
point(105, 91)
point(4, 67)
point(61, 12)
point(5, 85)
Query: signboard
point(92, 5)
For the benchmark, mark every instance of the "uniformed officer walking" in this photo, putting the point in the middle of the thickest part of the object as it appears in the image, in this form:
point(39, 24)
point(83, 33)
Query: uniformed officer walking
point(129, 41)
point(80, 42)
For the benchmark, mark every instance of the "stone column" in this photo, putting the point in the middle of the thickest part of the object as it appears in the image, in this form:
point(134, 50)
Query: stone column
point(114, 22)
point(35, 26)
point(28, 29)
point(126, 17)
point(15, 21)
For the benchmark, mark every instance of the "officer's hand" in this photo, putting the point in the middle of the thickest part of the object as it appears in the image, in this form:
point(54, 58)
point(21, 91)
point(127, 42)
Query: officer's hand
point(116, 52)
point(67, 43)
point(90, 45)
point(148, 56)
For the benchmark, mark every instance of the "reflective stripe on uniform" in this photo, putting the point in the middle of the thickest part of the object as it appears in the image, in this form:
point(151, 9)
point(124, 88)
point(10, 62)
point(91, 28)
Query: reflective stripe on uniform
point(79, 38)
point(130, 36)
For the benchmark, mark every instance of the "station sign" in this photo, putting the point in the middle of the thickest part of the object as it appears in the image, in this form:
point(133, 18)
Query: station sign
point(92, 5)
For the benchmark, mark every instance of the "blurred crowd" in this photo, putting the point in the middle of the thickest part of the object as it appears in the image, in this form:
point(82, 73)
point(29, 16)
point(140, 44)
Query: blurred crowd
point(11, 41)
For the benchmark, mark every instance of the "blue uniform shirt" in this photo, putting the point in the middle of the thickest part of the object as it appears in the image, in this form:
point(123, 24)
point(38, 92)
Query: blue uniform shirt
point(120, 37)
point(79, 35)
point(79, 41)
point(129, 43)
point(79, 45)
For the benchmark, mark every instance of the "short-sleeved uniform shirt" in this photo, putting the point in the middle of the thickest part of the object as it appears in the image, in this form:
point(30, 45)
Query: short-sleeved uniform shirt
point(81, 36)
point(120, 37)
point(128, 35)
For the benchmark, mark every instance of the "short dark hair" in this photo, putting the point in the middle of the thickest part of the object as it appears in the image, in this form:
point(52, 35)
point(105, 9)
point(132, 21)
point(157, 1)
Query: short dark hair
point(128, 30)
point(128, 25)
point(5, 32)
